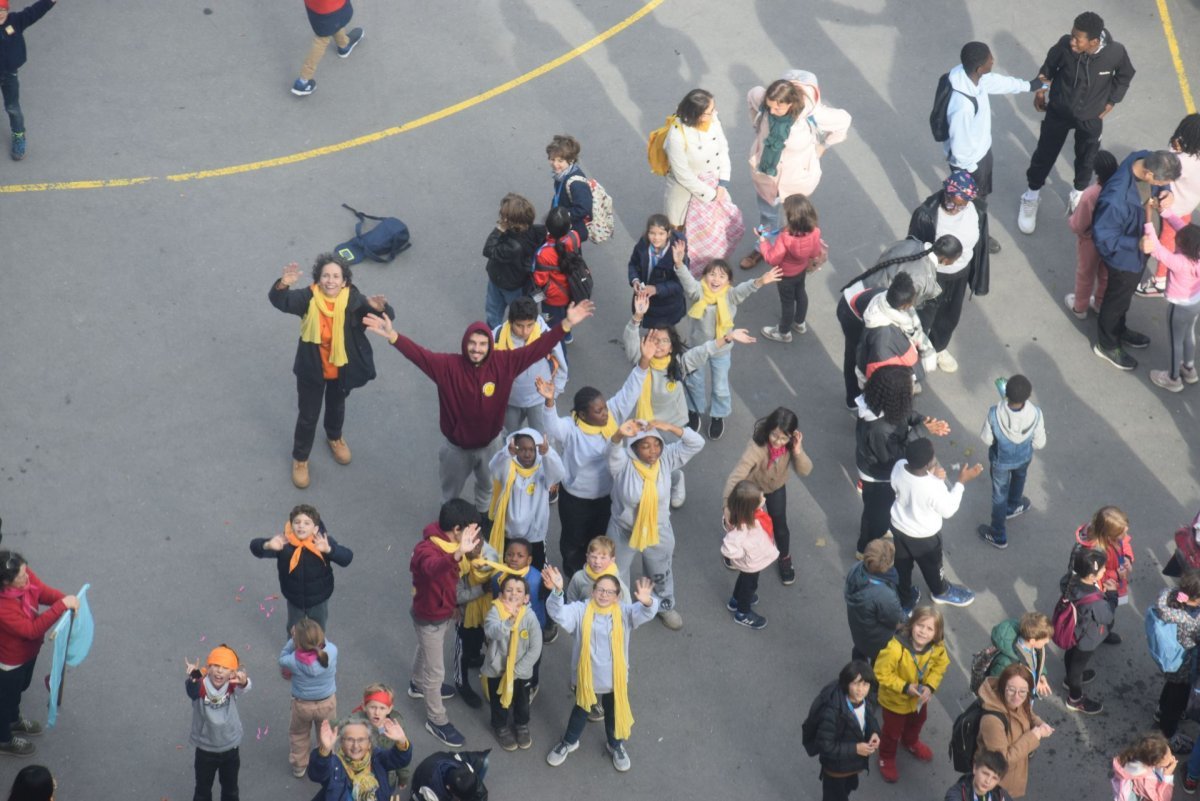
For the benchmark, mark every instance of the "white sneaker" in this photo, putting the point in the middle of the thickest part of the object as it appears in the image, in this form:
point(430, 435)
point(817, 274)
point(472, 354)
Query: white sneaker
point(1027, 216)
point(946, 363)
point(678, 492)
point(1070, 301)
point(1073, 201)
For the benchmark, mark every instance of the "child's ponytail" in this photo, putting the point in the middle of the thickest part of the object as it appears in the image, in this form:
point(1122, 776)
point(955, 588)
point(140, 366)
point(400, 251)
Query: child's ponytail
point(322, 656)
point(309, 636)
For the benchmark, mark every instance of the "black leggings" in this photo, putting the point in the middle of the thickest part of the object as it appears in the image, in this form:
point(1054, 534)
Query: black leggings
point(581, 519)
point(1172, 703)
point(852, 329)
point(926, 553)
point(877, 512)
point(12, 684)
point(777, 511)
point(309, 402)
point(1076, 662)
point(743, 591)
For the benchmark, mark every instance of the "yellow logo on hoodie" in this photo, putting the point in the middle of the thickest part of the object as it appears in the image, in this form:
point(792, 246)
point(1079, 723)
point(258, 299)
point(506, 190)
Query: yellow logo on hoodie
point(489, 389)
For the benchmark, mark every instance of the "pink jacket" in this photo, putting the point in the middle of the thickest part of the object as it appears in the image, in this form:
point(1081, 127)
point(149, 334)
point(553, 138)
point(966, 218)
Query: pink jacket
point(1081, 219)
point(1135, 781)
point(793, 254)
point(749, 549)
point(799, 169)
point(1183, 274)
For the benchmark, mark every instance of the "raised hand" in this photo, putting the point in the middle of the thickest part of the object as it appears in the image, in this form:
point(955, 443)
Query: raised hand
point(240, 678)
point(641, 304)
point(797, 442)
point(771, 276)
point(629, 428)
point(276, 543)
point(379, 324)
point(578, 312)
point(678, 251)
point(512, 448)
point(327, 737)
point(291, 274)
point(648, 349)
point(191, 666)
point(543, 447)
point(968, 474)
point(321, 540)
point(394, 731)
point(377, 302)
point(645, 591)
point(742, 335)
point(552, 578)
point(544, 388)
point(470, 538)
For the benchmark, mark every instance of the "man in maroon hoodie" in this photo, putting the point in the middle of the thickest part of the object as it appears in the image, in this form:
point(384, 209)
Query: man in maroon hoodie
point(473, 389)
point(438, 561)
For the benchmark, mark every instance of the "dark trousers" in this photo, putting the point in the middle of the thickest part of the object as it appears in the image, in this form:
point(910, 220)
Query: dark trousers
point(209, 765)
point(743, 591)
point(939, 317)
point(1110, 323)
point(1076, 662)
point(12, 684)
point(983, 182)
point(1172, 702)
point(777, 511)
point(852, 329)
point(581, 519)
point(309, 401)
point(578, 721)
point(793, 301)
point(925, 553)
point(10, 88)
point(318, 613)
point(520, 703)
point(468, 653)
point(877, 512)
point(1055, 127)
point(837, 788)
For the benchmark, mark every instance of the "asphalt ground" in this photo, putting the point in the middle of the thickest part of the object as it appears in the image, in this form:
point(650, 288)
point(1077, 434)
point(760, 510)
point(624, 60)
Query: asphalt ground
point(149, 401)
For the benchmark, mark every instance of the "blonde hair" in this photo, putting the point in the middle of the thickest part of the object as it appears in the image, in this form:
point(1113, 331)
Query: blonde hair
point(1035, 626)
point(602, 543)
point(1108, 525)
point(921, 613)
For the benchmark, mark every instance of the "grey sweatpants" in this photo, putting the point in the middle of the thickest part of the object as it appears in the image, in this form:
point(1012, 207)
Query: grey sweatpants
point(1181, 319)
point(656, 560)
point(429, 667)
point(456, 464)
point(532, 416)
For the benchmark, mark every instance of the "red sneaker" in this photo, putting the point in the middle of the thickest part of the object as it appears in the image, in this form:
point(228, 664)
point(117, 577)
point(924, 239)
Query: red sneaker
point(920, 751)
point(887, 769)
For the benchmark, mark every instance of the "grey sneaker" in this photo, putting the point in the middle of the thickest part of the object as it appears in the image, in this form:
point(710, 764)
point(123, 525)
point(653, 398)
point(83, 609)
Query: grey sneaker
point(619, 757)
point(1162, 378)
point(506, 738)
point(1188, 374)
point(26, 726)
point(596, 713)
point(558, 754)
point(17, 746)
point(524, 741)
point(773, 333)
point(671, 619)
point(1027, 214)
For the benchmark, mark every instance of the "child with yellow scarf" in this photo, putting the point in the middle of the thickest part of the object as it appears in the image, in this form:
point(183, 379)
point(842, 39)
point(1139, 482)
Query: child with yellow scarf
point(514, 645)
point(522, 474)
point(713, 304)
point(600, 658)
point(474, 598)
point(641, 514)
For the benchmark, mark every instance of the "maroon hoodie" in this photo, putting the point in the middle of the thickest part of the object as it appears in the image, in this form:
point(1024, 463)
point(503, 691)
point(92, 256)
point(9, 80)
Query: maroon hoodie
point(435, 579)
point(472, 397)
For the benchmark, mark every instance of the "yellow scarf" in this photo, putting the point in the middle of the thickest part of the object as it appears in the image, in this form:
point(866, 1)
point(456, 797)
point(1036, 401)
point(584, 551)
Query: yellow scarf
point(310, 326)
point(645, 525)
point(359, 773)
point(607, 430)
point(510, 663)
point(645, 409)
point(498, 512)
point(450, 547)
point(585, 694)
point(611, 570)
point(482, 571)
point(300, 545)
point(505, 342)
point(708, 298)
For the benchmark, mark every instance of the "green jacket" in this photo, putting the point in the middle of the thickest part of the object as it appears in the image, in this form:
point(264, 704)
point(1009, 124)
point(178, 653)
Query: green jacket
point(1004, 637)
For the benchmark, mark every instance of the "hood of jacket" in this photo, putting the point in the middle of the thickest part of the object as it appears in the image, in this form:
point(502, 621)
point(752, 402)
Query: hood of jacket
point(1130, 770)
point(478, 327)
point(432, 530)
point(880, 313)
point(859, 582)
point(1004, 637)
point(989, 696)
point(1017, 424)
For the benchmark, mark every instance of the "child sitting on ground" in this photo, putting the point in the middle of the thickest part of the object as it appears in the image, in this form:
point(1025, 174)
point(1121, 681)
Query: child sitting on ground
point(514, 648)
point(216, 726)
point(312, 663)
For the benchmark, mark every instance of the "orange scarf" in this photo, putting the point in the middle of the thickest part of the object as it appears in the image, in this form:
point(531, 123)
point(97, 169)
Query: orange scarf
point(301, 545)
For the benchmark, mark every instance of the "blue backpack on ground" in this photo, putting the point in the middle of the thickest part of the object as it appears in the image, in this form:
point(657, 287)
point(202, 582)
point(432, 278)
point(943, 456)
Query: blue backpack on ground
point(382, 243)
point(1162, 637)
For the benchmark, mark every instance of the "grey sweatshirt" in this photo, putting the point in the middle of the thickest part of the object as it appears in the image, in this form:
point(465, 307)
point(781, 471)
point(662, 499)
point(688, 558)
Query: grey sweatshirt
point(498, 632)
point(1017, 425)
point(528, 514)
point(628, 483)
point(667, 397)
point(570, 617)
point(215, 727)
point(705, 329)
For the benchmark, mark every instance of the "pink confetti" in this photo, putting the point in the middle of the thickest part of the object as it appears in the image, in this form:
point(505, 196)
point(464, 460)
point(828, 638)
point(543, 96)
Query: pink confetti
point(262, 608)
point(203, 637)
point(242, 588)
point(271, 598)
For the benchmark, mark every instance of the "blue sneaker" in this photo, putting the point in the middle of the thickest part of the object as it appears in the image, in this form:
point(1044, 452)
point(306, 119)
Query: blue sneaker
point(355, 37)
point(750, 619)
point(955, 595)
point(303, 88)
point(446, 733)
point(18, 146)
point(908, 608)
point(992, 537)
point(732, 604)
point(414, 691)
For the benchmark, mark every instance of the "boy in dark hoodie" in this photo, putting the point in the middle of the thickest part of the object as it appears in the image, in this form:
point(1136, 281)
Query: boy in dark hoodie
point(438, 561)
point(12, 57)
point(873, 600)
point(1013, 430)
point(473, 391)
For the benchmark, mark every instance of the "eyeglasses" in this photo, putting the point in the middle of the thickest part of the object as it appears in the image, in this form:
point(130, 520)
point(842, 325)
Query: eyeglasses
point(604, 591)
point(660, 340)
point(356, 740)
point(779, 438)
point(1016, 692)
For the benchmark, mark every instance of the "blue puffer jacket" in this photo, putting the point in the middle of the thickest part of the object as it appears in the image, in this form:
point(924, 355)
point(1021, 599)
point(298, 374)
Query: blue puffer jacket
point(329, 772)
point(1117, 223)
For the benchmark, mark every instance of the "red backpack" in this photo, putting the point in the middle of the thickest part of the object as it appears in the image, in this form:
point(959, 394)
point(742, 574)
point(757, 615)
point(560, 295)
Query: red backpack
point(1066, 619)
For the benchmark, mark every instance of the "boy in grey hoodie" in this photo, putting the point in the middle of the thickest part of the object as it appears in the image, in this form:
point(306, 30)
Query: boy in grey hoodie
point(1013, 430)
point(216, 727)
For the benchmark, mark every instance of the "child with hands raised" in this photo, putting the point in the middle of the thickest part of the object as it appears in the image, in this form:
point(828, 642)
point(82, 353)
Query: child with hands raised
point(347, 766)
point(514, 646)
point(216, 726)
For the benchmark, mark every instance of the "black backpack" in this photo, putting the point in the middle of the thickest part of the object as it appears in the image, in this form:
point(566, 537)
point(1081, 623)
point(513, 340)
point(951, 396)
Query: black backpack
point(964, 735)
point(981, 666)
point(382, 243)
point(938, 123)
point(579, 277)
point(808, 729)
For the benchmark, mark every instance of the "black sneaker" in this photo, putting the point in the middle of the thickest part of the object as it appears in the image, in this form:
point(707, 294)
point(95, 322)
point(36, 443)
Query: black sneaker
point(716, 427)
point(992, 537)
point(1089, 676)
point(550, 633)
point(787, 574)
point(355, 36)
point(469, 696)
point(1112, 639)
point(1085, 705)
point(415, 692)
point(731, 604)
point(993, 246)
point(694, 421)
point(1116, 357)
point(17, 746)
point(1135, 339)
point(1021, 509)
point(554, 494)
point(751, 619)
point(506, 738)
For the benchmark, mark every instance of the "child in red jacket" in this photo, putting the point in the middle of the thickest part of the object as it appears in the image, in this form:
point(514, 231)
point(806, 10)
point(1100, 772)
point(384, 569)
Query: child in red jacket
point(547, 265)
point(797, 250)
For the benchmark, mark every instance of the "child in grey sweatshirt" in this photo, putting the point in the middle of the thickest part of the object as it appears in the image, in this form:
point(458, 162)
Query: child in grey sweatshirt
point(1013, 430)
point(216, 728)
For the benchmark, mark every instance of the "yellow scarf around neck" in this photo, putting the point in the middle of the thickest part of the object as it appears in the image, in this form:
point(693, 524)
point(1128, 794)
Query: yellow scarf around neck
point(482, 571)
point(310, 326)
point(498, 512)
point(505, 340)
point(607, 430)
point(708, 298)
point(645, 525)
point(585, 693)
point(510, 662)
point(464, 566)
point(359, 773)
point(611, 570)
point(645, 408)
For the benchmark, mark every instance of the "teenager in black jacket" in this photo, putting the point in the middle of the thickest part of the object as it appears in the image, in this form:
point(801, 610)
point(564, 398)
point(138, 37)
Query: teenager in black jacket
point(12, 58)
point(1084, 76)
point(847, 730)
point(510, 250)
point(983, 782)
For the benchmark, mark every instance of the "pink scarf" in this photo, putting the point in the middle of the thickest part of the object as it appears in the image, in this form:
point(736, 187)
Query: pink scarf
point(28, 595)
point(774, 453)
point(306, 657)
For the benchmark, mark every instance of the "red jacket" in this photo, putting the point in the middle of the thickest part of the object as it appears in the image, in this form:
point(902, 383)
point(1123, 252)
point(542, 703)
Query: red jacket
point(324, 6)
point(547, 275)
point(472, 397)
point(20, 637)
point(435, 579)
point(791, 253)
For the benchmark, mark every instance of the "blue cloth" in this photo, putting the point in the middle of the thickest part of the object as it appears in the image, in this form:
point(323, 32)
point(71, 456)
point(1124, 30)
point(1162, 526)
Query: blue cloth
point(1008, 484)
point(1119, 217)
point(72, 635)
point(310, 682)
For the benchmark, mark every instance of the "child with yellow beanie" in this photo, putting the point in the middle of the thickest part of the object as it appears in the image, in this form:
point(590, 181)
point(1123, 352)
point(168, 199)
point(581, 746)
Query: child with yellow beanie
point(216, 727)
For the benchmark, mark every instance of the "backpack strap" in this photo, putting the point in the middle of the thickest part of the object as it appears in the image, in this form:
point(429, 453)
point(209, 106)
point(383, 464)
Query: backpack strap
point(360, 215)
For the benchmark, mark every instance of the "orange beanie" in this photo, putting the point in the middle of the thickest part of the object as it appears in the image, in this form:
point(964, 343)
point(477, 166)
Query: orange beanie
point(222, 655)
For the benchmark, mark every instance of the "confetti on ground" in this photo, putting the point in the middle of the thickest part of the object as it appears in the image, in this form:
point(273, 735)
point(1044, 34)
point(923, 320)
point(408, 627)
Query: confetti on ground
point(271, 598)
point(179, 748)
point(820, 543)
point(262, 732)
point(242, 588)
point(203, 637)
point(237, 598)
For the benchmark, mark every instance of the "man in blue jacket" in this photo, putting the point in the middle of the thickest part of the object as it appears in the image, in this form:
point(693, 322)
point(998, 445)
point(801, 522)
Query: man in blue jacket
point(1117, 231)
point(12, 56)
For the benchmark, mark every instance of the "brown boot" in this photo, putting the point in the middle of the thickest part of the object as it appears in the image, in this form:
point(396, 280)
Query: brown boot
point(341, 451)
point(300, 474)
point(750, 260)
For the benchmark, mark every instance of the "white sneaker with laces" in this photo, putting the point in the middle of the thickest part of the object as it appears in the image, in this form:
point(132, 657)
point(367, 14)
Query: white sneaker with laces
point(1027, 215)
point(1070, 301)
point(946, 363)
point(1073, 201)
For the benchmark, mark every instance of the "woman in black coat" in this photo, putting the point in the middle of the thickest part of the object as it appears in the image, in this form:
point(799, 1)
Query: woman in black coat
point(847, 730)
point(333, 355)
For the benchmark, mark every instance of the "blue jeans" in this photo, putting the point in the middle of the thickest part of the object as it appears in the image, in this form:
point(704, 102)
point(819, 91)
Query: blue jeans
point(1193, 765)
point(578, 721)
point(10, 88)
point(697, 389)
point(496, 303)
point(1007, 487)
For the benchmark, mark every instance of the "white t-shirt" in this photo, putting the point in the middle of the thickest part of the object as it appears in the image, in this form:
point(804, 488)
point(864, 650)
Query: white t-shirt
point(964, 226)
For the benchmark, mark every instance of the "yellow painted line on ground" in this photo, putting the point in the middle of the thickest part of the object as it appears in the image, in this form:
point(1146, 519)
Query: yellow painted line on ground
point(358, 141)
point(1173, 45)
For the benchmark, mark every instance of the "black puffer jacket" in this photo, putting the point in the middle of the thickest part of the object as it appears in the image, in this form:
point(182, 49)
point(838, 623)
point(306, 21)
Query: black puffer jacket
point(311, 583)
point(872, 608)
point(923, 226)
point(361, 366)
point(1082, 84)
point(880, 444)
point(510, 255)
point(838, 732)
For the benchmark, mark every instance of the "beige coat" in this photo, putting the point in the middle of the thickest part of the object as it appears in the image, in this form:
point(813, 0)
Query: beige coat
point(753, 467)
point(692, 153)
point(799, 169)
point(1016, 745)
